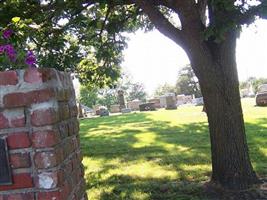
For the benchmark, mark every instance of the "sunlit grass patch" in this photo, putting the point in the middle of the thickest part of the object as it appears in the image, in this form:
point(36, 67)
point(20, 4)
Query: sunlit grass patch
point(159, 155)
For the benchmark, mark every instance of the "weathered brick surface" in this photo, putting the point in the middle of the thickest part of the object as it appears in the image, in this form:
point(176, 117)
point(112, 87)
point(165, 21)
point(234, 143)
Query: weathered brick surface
point(44, 117)
point(27, 98)
point(20, 160)
point(12, 119)
point(56, 195)
point(20, 181)
point(48, 159)
point(38, 119)
point(23, 196)
point(45, 138)
point(18, 140)
point(33, 76)
point(8, 78)
point(49, 180)
point(3, 121)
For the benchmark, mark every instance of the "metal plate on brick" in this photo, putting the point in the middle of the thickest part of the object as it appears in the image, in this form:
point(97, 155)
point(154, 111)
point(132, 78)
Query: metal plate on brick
point(5, 175)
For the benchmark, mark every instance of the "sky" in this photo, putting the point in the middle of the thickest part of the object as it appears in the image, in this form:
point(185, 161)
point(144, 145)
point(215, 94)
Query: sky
point(153, 59)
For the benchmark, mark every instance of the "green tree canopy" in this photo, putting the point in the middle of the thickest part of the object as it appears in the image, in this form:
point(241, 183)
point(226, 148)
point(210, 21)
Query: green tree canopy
point(187, 82)
point(254, 82)
point(164, 89)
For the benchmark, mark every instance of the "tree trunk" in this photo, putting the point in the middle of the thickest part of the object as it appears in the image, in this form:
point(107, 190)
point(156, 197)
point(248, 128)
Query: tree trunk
point(215, 66)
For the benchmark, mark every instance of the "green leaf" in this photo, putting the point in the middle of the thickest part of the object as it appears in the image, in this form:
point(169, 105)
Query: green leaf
point(15, 19)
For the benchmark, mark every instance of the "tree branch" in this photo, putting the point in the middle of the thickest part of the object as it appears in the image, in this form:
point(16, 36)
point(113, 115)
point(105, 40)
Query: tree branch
point(249, 16)
point(161, 22)
point(202, 6)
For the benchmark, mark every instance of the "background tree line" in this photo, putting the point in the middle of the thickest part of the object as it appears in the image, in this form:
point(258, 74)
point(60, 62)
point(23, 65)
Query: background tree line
point(253, 82)
point(186, 83)
point(107, 96)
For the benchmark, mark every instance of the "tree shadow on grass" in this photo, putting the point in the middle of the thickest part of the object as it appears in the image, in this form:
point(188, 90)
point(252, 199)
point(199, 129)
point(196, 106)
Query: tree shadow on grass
point(181, 150)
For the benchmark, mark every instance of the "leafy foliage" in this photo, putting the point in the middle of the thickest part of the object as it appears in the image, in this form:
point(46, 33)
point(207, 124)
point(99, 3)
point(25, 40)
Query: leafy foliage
point(88, 96)
point(76, 36)
point(163, 89)
point(187, 82)
point(88, 36)
point(108, 96)
point(254, 82)
point(136, 91)
point(14, 49)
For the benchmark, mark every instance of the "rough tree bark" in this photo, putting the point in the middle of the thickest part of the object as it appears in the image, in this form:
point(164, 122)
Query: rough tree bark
point(231, 166)
point(214, 63)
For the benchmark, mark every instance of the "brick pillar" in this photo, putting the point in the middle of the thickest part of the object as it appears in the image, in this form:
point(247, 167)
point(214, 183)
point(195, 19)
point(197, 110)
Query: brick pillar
point(38, 120)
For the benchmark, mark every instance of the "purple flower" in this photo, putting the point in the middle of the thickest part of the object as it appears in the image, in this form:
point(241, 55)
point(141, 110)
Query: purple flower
point(2, 49)
point(7, 33)
point(10, 51)
point(30, 59)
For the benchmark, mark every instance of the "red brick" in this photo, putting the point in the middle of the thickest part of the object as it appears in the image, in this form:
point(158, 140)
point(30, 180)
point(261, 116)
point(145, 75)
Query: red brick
point(19, 99)
point(73, 110)
point(15, 100)
point(8, 78)
point(19, 181)
point(44, 117)
point(48, 159)
point(74, 197)
point(74, 127)
point(63, 95)
point(49, 180)
point(81, 188)
point(50, 195)
point(75, 142)
point(32, 75)
point(18, 140)
point(75, 162)
point(68, 147)
point(39, 96)
point(71, 128)
point(79, 156)
point(48, 138)
point(20, 160)
point(64, 130)
point(17, 122)
point(3, 121)
point(68, 167)
point(64, 112)
point(68, 94)
point(23, 196)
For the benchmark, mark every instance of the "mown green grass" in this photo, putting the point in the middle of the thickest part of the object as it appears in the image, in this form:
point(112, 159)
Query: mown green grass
point(159, 155)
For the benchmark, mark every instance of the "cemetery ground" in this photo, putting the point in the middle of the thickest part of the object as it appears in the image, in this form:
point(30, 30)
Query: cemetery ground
point(160, 155)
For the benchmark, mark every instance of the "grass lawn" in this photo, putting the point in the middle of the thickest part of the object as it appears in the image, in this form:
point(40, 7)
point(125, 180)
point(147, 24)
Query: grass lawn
point(159, 155)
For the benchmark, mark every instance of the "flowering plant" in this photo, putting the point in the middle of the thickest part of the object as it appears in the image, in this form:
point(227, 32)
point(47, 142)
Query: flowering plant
point(13, 51)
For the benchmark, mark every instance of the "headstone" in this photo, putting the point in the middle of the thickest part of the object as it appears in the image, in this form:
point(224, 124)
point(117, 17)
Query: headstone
point(126, 110)
point(121, 100)
point(162, 100)
point(103, 111)
point(171, 103)
point(156, 102)
point(198, 101)
point(147, 107)
point(115, 108)
point(134, 105)
point(183, 99)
